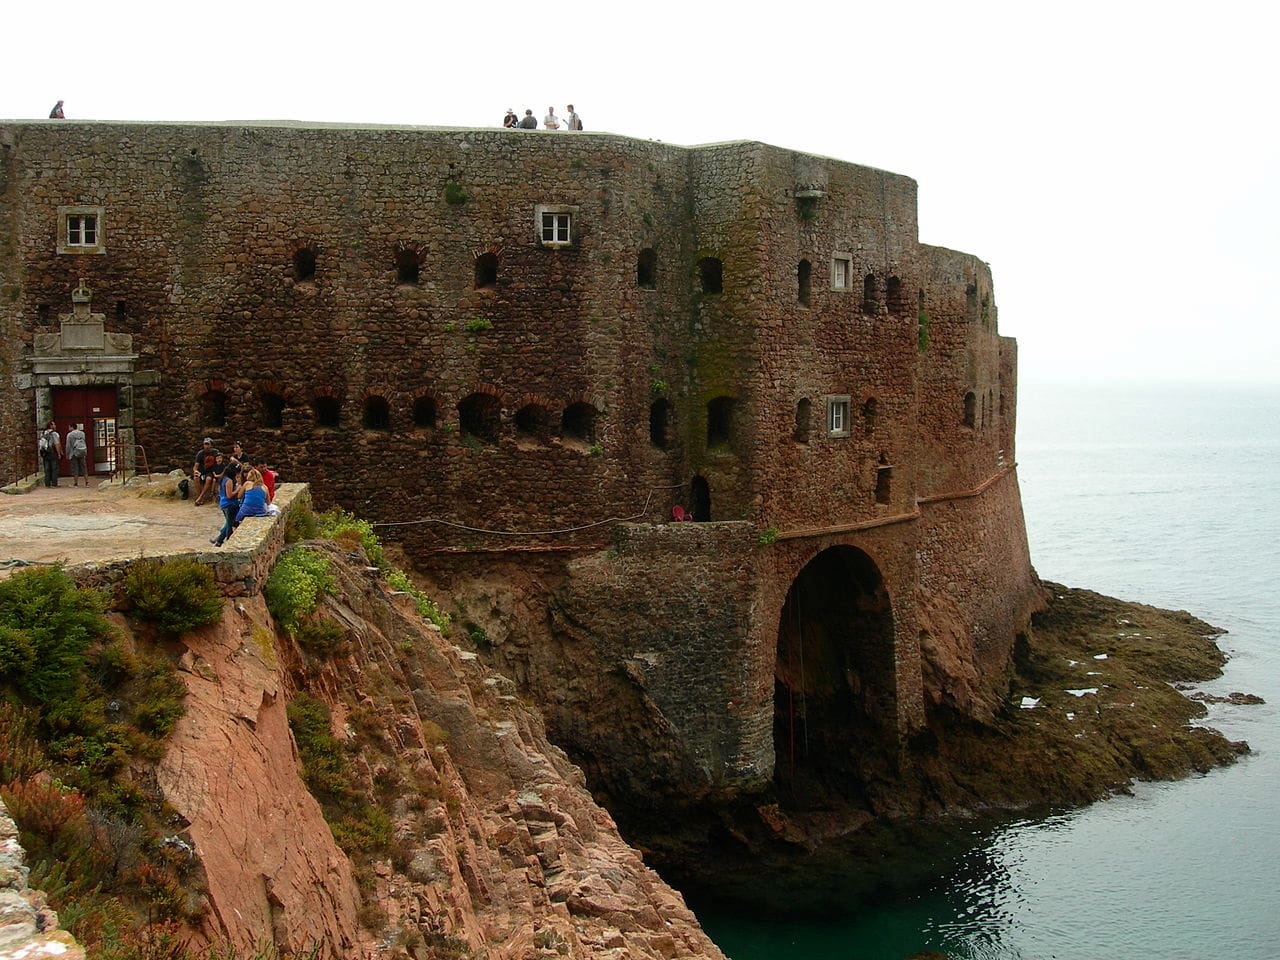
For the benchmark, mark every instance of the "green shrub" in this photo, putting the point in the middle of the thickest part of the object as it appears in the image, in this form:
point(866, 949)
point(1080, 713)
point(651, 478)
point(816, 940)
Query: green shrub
point(351, 532)
point(453, 193)
point(21, 754)
point(324, 765)
point(301, 525)
point(46, 625)
point(177, 595)
point(478, 325)
point(296, 584)
point(321, 636)
point(397, 579)
point(358, 826)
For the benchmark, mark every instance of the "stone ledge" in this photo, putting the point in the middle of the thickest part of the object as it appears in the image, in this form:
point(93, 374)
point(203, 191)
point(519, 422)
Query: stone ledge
point(240, 568)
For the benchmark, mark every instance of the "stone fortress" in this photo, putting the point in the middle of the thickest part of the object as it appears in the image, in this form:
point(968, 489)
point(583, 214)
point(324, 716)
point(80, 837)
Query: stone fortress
point(521, 351)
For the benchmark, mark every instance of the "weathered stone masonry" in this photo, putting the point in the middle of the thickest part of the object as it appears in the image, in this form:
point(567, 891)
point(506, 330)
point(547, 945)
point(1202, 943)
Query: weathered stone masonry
point(524, 332)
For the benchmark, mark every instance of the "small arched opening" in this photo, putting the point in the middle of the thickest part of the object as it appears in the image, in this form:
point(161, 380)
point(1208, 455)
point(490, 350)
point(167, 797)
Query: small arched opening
point(835, 699)
point(720, 423)
point(804, 271)
point(273, 410)
point(578, 423)
point(408, 266)
point(804, 418)
point(479, 417)
point(970, 410)
point(870, 294)
point(660, 423)
point(327, 412)
point(700, 499)
point(377, 414)
point(647, 269)
point(304, 264)
point(533, 423)
point(486, 271)
point(425, 413)
point(711, 273)
point(213, 408)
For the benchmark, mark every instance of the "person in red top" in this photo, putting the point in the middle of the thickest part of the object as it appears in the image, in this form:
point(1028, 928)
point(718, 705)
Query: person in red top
point(269, 479)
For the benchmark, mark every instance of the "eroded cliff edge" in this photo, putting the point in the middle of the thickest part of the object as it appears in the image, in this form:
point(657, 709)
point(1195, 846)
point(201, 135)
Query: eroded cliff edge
point(497, 847)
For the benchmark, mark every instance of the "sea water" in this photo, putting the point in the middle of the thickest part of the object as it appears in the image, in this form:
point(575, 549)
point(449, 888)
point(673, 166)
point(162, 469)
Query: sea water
point(1164, 494)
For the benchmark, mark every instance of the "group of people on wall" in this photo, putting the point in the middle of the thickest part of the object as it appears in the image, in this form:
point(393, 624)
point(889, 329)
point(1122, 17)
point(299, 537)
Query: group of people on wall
point(550, 122)
point(241, 489)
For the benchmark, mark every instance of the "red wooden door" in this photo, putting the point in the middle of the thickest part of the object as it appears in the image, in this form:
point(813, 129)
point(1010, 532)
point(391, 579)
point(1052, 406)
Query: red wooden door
point(95, 407)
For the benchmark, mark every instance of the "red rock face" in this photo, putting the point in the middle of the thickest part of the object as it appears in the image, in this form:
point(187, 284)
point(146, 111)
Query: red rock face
point(499, 845)
point(271, 863)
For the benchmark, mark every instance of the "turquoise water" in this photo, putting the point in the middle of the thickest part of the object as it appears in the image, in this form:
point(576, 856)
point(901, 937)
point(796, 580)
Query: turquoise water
point(1166, 495)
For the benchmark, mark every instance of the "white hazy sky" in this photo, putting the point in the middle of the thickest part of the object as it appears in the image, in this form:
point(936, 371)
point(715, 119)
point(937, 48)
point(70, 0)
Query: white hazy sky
point(1117, 163)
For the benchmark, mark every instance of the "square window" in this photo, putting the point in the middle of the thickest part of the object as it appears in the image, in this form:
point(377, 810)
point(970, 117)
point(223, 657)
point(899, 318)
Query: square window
point(556, 228)
point(841, 271)
point(80, 230)
point(838, 416)
point(554, 224)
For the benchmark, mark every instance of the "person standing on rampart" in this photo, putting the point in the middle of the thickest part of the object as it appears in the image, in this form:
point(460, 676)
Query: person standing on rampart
point(50, 453)
point(575, 121)
point(551, 121)
point(510, 120)
point(56, 113)
point(77, 450)
point(530, 122)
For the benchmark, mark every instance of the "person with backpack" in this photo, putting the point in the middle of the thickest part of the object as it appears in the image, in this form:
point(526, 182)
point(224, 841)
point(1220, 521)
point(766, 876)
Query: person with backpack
point(50, 445)
point(77, 450)
point(575, 121)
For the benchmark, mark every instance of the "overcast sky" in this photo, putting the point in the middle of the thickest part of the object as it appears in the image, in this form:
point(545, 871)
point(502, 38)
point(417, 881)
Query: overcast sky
point(1117, 163)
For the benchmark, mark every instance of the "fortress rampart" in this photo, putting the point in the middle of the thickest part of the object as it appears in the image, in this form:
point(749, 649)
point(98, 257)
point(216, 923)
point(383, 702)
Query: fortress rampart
point(514, 340)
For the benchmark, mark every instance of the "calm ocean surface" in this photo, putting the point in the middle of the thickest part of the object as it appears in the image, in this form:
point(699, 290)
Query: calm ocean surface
point(1168, 495)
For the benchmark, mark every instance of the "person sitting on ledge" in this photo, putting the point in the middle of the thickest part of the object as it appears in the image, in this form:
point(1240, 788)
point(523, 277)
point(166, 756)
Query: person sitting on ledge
point(229, 501)
point(202, 474)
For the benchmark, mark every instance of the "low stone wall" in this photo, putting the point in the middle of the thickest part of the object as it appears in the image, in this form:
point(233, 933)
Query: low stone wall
point(28, 928)
point(240, 568)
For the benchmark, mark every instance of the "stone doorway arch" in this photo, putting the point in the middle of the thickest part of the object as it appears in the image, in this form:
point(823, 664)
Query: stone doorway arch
point(835, 684)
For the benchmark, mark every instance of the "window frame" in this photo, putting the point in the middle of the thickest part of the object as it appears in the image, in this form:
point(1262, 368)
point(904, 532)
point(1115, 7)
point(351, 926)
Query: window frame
point(847, 260)
point(79, 213)
point(837, 413)
point(561, 238)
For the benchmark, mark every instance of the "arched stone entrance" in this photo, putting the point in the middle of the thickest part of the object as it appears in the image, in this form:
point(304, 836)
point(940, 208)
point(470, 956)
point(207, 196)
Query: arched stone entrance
point(835, 697)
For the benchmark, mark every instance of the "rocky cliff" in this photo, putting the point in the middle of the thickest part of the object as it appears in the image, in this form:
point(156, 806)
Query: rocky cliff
point(496, 848)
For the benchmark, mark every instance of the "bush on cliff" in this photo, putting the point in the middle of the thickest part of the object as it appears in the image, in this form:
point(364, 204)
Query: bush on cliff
point(80, 706)
point(358, 826)
point(351, 533)
point(397, 579)
point(296, 584)
point(46, 625)
point(176, 595)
